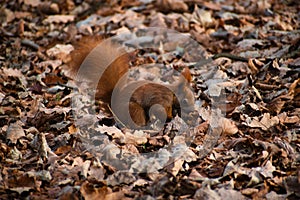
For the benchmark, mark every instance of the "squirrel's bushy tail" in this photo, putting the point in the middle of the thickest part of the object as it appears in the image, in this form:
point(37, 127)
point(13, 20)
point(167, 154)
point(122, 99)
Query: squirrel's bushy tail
point(101, 63)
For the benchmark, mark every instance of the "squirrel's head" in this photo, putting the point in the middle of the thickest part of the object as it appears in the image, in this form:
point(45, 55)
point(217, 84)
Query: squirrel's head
point(185, 98)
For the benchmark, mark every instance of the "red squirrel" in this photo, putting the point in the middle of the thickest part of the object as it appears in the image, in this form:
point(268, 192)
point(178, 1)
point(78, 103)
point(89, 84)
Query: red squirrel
point(98, 60)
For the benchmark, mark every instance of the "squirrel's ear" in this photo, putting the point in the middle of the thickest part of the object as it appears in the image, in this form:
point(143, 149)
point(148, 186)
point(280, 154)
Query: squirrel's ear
point(186, 73)
point(185, 78)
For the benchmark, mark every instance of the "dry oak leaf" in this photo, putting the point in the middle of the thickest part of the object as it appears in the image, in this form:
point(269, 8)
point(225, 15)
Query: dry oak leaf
point(175, 167)
point(59, 19)
point(202, 16)
point(284, 118)
point(14, 132)
point(112, 131)
point(228, 126)
point(120, 177)
point(265, 123)
point(137, 138)
point(89, 192)
point(60, 51)
point(33, 3)
point(172, 5)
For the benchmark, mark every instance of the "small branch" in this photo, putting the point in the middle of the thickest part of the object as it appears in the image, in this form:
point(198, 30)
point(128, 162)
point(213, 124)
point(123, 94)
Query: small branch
point(220, 55)
point(230, 56)
point(30, 43)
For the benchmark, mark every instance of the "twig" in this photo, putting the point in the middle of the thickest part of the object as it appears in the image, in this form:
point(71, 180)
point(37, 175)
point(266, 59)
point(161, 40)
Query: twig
point(219, 55)
point(230, 56)
point(30, 43)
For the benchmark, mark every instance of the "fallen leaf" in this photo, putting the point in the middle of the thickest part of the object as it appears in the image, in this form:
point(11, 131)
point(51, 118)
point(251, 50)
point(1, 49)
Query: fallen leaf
point(14, 132)
point(265, 123)
point(228, 126)
point(59, 19)
point(172, 5)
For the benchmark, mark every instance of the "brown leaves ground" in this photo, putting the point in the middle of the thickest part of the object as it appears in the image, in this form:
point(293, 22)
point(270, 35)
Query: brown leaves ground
point(253, 154)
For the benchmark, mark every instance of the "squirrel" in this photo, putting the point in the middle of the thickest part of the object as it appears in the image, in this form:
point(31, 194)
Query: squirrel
point(134, 105)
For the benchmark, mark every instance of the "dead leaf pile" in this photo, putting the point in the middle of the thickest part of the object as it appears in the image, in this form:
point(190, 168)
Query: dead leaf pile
point(242, 143)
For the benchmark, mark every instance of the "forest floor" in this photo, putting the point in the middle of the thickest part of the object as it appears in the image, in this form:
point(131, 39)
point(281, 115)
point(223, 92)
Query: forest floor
point(244, 57)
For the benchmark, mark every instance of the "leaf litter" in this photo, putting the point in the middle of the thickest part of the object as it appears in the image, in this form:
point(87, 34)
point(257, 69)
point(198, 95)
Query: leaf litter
point(248, 63)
